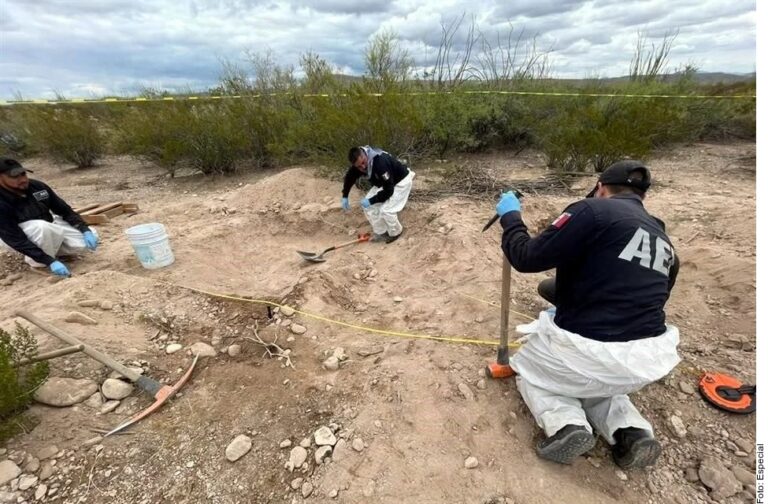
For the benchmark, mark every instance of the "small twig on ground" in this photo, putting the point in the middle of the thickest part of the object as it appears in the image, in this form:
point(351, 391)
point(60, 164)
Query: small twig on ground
point(90, 474)
point(272, 349)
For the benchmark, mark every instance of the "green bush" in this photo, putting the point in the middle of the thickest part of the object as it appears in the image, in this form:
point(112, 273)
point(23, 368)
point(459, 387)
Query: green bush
point(18, 382)
point(67, 135)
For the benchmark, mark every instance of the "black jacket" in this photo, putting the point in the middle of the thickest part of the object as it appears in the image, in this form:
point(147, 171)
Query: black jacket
point(387, 173)
point(37, 203)
point(615, 266)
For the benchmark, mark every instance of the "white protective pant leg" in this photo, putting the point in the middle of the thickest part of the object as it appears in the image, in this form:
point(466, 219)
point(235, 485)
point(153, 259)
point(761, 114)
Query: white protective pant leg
point(53, 238)
point(383, 216)
point(609, 414)
point(552, 412)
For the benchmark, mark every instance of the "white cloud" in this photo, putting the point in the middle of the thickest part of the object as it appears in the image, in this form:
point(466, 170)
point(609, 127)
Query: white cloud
point(118, 46)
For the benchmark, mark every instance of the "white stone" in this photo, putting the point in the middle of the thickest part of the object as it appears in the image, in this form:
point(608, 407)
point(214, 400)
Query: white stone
point(305, 443)
point(678, 426)
point(62, 392)
point(306, 489)
point(466, 392)
point(331, 363)
point(397, 299)
point(203, 349)
point(115, 389)
point(298, 329)
point(27, 481)
point(358, 444)
point(238, 447)
point(285, 443)
point(324, 437)
point(173, 348)
point(322, 453)
point(297, 457)
point(471, 463)
point(8, 471)
point(48, 452)
point(40, 491)
point(287, 311)
point(234, 350)
point(109, 407)
point(79, 318)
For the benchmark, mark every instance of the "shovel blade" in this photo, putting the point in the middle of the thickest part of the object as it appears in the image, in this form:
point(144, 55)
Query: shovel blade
point(311, 256)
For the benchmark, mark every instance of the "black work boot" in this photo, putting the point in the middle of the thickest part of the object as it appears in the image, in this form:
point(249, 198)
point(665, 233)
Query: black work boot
point(635, 448)
point(376, 237)
point(390, 239)
point(566, 444)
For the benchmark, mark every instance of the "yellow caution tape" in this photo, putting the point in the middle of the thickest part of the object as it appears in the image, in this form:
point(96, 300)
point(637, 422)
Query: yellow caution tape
point(398, 334)
point(418, 93)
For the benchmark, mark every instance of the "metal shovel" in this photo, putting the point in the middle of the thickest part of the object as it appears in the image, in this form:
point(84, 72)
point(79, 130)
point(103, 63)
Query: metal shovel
point(316, 258)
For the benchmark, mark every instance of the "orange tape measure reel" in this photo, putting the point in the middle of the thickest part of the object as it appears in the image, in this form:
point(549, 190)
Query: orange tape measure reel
point(728, 393)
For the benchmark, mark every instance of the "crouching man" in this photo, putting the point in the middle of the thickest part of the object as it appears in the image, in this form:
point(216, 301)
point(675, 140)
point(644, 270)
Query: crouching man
point(36, 222)
point(607, 336)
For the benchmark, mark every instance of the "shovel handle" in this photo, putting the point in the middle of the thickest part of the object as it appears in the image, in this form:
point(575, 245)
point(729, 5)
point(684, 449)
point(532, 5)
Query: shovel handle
point(103, 358)
point(360, 239)
point(506, 275)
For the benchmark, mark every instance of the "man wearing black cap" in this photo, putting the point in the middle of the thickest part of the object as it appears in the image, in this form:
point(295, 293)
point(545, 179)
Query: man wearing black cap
point(607, 336)
point(36, 222)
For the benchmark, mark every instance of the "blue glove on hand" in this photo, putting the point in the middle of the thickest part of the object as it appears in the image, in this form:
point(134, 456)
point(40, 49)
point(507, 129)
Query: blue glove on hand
point(91, 242)
point(365, 203)
point(345, 203)
point(507, 203)
point(59, 269)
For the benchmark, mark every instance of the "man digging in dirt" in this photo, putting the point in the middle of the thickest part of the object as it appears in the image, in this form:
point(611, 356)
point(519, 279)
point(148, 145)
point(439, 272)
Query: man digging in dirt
point(392, 182)
point(607, 336)
point(36, 222)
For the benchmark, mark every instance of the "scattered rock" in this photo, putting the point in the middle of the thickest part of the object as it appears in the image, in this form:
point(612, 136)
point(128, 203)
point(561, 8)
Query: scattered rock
point(285, 443)
point(298, 329)
point(40, 491)
point(593, 461)
point(305, 443)
point(135, 369)
point(238, 447)
point(340, 451)
point(745, 444)
point(108, 407)
point(743, 475)
point(106, 305)
point(61, 392)
point(358, 445)
point(88, 303)
point(481, 384)
point(27, 481)
point(323, 453)
point(234, 350)
point(287, 311)
point(678, 427)
point(691, 475)
point(367, 352)
point(296, 483)
point(115, 389)
point(297, 457)
point(8, 497)
point(333, 494)
point(715, 476)
point(127, 406)
point(324, 437)
point(203, 349)
point(306, 489)
point(80, 318)
point(331, 363)
point(397, 299)
point(696, 431)
point(46, 470)
point(621, 475)
point(471, 463)
point(8, 471)
point(173, 348)
point(687, 388)
point(466, 392)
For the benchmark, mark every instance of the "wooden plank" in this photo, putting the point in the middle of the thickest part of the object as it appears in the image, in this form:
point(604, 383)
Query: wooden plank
point(114, 212)
point(95, 219)
point(86, 208)
point(103, 208)
point(130, 207)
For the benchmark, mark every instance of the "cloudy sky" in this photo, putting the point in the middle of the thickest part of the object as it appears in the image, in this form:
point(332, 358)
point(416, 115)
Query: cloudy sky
point(87, 48)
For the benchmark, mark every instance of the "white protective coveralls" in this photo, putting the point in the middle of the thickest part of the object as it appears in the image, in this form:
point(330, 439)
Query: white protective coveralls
point(54, 238)
point(567, 379)
point(383, 216)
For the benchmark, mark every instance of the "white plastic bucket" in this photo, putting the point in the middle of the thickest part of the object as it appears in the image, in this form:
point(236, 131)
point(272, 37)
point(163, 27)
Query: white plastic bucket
point(151, 244)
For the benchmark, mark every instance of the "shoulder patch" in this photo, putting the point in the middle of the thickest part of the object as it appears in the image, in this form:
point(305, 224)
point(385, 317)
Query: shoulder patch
point(385, 175)
point(562, 220)
point(40, 195)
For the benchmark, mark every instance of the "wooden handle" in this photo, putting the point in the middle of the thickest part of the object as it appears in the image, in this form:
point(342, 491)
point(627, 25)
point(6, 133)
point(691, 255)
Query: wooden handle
point(506, 275)
point(92, 352)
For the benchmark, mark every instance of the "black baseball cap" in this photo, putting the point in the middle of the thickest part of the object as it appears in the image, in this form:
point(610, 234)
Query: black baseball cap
point(12, 167)
point(619, 174)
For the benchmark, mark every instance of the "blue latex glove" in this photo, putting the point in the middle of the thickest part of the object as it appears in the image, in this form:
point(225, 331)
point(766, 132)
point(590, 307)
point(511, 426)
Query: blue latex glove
point(91, 242)
point(59, 269)
point(507, 203)
point(365, 203)
point(345, 203)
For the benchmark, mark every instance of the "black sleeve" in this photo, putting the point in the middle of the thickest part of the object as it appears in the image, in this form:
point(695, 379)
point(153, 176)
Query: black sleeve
point(60, 207)
point(349, 180)
point(561, 242)
point(381, 166)
point(12, 235)
point(673, 272)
